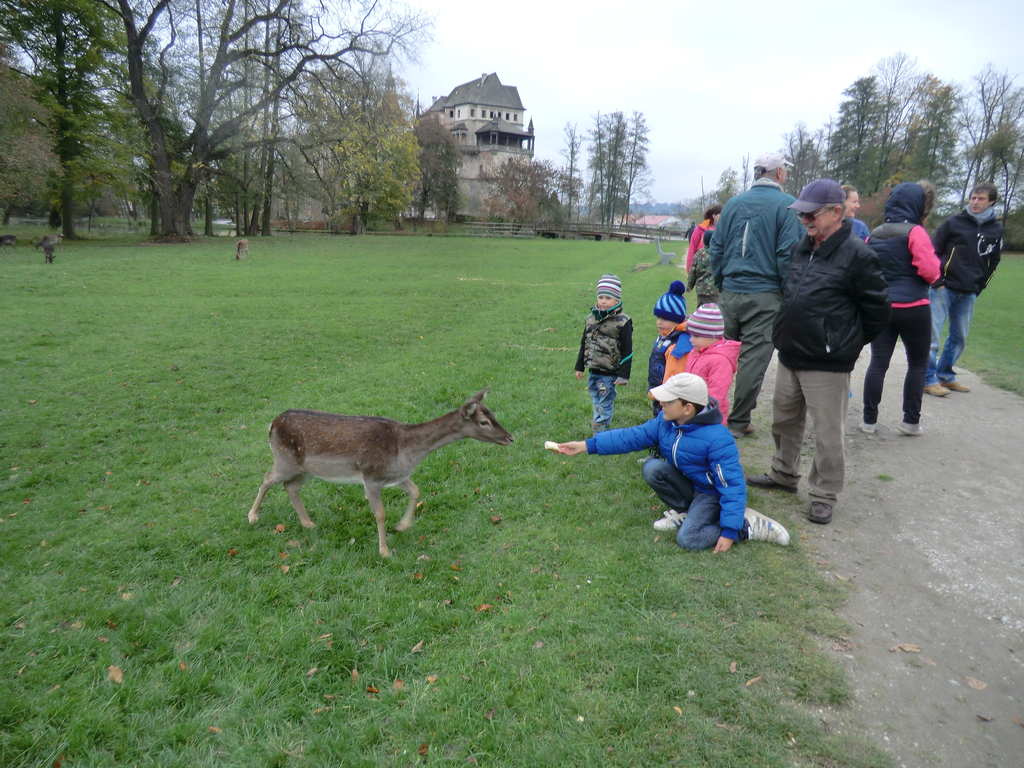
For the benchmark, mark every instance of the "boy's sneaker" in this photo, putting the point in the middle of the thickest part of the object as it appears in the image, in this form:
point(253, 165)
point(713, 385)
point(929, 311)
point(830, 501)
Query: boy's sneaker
point(910, 429)
point(670, 520)
point(763, 528)
point(868, 429)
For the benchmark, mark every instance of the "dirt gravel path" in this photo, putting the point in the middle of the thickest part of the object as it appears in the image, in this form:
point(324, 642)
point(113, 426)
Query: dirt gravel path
point(929, 538)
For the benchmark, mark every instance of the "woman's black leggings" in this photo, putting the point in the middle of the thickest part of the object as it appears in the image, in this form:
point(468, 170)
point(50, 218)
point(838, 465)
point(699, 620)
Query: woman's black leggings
point(913, 326)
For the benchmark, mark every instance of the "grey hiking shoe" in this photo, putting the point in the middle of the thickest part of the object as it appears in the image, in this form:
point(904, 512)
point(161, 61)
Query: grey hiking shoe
point(670, 520)
point(910, 429)
point(763, 528)
point(820, 512)
point(868, 429)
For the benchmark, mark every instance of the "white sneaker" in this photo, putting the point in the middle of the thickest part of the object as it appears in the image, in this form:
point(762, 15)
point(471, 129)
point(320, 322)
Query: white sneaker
point(670, 520)
point(868, 429)
point(763, 528)
point(910, 429)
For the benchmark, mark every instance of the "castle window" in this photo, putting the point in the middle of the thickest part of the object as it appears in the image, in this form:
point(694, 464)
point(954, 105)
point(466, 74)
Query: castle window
point(472, 113)
point(451, 113)
point(460, 113)
point(492, 113)
point(517, 117)
point(506, 115)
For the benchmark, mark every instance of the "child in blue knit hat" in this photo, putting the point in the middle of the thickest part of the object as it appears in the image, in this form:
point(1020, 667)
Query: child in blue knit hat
point(670, 320)
point(606, 350)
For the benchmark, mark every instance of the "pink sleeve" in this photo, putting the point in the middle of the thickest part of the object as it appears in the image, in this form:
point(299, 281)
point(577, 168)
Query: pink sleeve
point(696, 238)
point(922, 255)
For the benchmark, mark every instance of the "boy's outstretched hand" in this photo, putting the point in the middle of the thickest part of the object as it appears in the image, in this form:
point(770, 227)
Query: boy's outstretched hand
point(571, 449)
point(723, 545)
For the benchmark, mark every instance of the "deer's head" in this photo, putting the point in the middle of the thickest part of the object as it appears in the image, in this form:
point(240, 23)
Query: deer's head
point(479, 423)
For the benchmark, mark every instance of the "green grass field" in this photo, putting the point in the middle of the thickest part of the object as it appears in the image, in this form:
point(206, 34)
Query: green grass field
point(532, 617)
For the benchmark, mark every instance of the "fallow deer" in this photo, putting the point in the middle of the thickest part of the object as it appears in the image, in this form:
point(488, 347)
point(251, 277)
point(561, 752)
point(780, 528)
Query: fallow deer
point(241, 249)
point(48, 243)
point(370, 450)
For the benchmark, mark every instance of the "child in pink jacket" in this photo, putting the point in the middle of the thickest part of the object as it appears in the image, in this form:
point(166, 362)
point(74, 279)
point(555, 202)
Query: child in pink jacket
point(713, 358)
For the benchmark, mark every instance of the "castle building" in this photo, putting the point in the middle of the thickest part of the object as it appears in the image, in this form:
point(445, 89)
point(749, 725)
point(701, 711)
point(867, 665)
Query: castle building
point(486, 121)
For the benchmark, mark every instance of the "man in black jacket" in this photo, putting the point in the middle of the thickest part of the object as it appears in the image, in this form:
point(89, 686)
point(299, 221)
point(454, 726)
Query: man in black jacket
point(968, 245)
point(834, 301)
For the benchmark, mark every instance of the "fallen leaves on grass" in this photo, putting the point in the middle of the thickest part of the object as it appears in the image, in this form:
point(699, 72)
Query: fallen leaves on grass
point(906, 648)
point(417, 648)
point(984, 718)
point(754, 681)
point(538, 645)
point(679, 710)
point(423, 750)
point(214, 729)
point(398, 685)
point(279, 528)
point(115, 674)
point(732, 666)
point(312, 671)
point(975, 683)
point(489, 714)
point(372, 689)
point(483, 607)
point(495, 519)
point(232, 552)
point(284, 568)
point(431, 679)
point(355, 674)
point(182, 666)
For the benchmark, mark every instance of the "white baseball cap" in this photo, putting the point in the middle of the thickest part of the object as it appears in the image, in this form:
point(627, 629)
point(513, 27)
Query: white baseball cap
point(772, 160)
point(683, 386)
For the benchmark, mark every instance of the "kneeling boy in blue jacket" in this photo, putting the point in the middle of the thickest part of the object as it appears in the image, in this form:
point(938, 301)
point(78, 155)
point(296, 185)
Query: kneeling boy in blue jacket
point(699, 477)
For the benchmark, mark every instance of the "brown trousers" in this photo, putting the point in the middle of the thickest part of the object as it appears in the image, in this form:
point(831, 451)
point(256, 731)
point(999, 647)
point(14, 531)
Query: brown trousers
point(824, 396)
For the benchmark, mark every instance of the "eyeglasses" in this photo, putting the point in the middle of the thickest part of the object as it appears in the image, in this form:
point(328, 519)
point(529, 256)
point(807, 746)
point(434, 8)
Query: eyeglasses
point(811, 216)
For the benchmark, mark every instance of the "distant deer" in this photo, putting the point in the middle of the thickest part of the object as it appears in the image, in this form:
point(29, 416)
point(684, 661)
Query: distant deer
point(47, 243)
point(241, 249)
point(8, 240)
point(366, 449)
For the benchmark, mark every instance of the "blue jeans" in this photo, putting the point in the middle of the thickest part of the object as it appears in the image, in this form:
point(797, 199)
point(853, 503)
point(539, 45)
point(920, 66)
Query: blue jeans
point(700, 529)
point(602, 395)
point(959, 308)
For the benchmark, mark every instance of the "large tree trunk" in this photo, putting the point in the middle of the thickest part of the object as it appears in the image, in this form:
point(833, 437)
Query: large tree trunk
point(208, 214)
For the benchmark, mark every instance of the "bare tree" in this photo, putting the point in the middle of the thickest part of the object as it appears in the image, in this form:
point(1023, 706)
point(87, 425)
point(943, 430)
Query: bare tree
point(571, 183)
point(298, 42)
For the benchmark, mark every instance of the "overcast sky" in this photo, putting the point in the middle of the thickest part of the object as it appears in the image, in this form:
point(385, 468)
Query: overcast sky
point(714, 80)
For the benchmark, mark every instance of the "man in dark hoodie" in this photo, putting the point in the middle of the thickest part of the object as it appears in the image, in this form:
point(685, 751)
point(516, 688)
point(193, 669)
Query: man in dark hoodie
point(968, 245)
point(834, 302)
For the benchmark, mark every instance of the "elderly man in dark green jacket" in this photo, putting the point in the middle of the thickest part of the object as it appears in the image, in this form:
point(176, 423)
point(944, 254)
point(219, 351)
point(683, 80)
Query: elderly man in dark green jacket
point(750, 258)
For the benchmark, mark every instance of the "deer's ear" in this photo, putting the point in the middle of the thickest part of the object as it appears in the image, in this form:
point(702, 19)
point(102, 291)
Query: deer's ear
point(479, 396)
point(469, 409)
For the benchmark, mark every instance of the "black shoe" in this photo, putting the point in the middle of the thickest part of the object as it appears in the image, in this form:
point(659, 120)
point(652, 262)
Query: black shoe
point(764, 481)
point(819, 512)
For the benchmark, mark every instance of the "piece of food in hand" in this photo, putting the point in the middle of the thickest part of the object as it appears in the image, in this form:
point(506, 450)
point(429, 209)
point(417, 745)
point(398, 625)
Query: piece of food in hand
point(550, 446)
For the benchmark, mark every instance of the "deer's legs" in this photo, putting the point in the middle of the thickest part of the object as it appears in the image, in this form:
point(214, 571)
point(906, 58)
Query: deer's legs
point(292, 486)
point(377, 506)
point(407, 519)
point(274, 476)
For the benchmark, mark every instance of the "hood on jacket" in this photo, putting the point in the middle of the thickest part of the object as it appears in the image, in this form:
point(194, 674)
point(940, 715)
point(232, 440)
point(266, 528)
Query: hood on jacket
point(905, 203)
point(708, 415)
